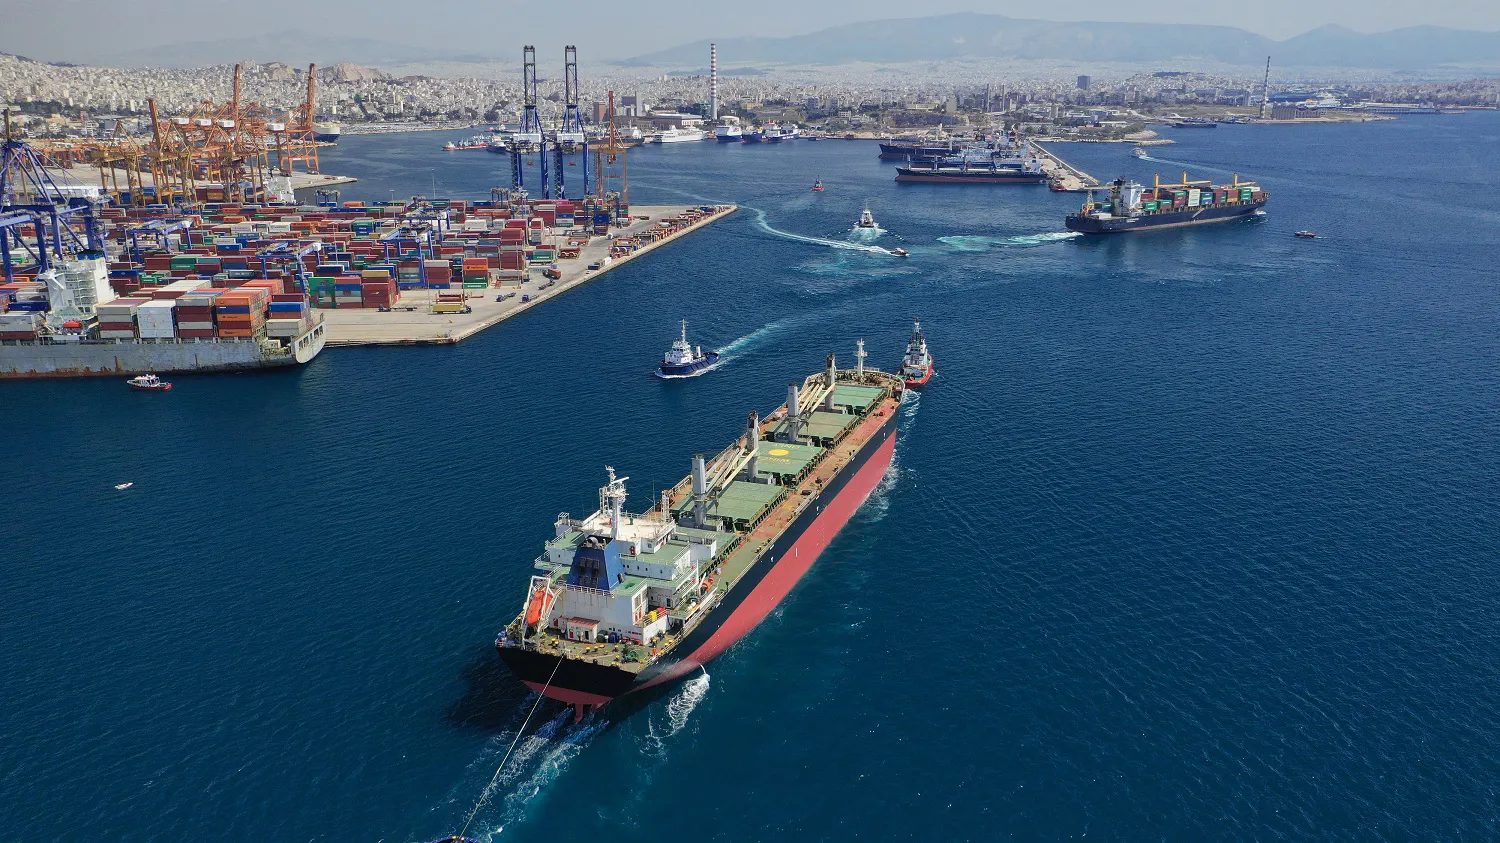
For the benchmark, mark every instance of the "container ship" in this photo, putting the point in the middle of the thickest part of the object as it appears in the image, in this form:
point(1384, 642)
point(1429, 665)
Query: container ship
point(1132, 207)
point(66, 323)
point(620, 603)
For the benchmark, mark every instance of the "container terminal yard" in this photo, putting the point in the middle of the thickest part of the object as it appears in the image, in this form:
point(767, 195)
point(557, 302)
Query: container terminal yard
point(193, 253)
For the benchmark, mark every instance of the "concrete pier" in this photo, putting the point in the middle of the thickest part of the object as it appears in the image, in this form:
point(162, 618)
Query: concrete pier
point(1070, 177)
point(412, 322)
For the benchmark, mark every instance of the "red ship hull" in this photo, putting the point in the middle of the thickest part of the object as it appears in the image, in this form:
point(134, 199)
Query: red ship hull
point(913, 383)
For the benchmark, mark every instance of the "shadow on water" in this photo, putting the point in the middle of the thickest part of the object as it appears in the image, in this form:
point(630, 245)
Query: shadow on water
point(493, 700)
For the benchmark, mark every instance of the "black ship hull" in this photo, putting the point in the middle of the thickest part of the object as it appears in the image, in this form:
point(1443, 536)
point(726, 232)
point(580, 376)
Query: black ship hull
point(752, 598)
point(972, 176)
point(1156, 221)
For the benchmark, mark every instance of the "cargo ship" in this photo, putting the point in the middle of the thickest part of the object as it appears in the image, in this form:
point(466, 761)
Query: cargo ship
point(900, 150)
point(620, 603)
point(1132, 207)
point(965, 171)
point(73, 355)
point(327, 132)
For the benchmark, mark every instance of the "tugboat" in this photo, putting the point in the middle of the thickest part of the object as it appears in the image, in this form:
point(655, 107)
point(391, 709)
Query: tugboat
point(149, 383)
point(683, 360)
point(866, 220)
point(817, 186)
point(916, 366)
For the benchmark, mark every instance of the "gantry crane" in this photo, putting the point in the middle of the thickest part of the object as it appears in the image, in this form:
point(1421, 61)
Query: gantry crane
point(607, 156)
point(571, 137)
point(530, 139)
point(296, 138)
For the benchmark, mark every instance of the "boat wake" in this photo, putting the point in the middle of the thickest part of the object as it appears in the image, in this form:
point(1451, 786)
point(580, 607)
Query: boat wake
point(865, 235)
point(978, 243)
point(751, 340)
point(539, 760)
point(760, 222)
point(678, 712)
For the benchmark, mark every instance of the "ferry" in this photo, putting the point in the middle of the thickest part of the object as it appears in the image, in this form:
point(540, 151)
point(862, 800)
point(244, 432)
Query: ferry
point(675, 135)
point(684, 360)
point(916, 366)
point(728, 130)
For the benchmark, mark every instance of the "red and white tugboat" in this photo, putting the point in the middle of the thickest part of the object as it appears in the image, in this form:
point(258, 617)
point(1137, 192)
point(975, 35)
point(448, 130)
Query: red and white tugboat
point(916, 366)
point(149, 383)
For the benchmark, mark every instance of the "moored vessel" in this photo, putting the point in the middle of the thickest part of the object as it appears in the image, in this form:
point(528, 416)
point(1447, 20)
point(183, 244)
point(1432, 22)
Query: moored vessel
point(967, 171)
point(916, 365)
point(683, 360)
point(621, 603)
point(728, 129)
point(1132, 207)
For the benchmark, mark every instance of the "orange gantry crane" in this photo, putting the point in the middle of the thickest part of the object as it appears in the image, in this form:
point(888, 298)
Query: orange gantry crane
point(295, 138)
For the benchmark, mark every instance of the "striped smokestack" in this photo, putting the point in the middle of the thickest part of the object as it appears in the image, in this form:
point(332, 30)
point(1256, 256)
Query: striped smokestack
point(713, 82)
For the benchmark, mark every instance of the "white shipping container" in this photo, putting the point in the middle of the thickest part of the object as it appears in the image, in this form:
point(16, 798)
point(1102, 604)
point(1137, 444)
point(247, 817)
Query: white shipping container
point(1192, 196)
point(19, 321)
point(196, 326)
point(117, 335)
point(158, 333)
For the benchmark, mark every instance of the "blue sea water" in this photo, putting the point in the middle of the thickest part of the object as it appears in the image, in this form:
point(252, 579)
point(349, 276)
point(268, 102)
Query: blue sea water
point(1192, 537)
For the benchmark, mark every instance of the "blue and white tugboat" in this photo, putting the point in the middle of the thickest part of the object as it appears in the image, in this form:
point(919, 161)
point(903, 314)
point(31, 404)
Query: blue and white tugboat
point(684, 361)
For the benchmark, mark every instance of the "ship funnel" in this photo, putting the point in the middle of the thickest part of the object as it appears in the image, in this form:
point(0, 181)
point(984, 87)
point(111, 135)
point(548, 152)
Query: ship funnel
point(700, 491)
point(833, 378)
point(752, 445)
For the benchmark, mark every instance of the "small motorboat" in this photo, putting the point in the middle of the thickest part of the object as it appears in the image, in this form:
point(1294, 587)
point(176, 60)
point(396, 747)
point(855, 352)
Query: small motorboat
point(900, 252)
point(818, 186)
point(1307, 234)
point(684, 360)
point(123, 486)
point(149, 383)
point(1139, 152)
point(916, 366)
point(866, 220)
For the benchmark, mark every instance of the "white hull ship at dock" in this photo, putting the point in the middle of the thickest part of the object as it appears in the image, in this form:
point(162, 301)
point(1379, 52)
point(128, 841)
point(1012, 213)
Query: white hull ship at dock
point(61, 357)
point(621, 603)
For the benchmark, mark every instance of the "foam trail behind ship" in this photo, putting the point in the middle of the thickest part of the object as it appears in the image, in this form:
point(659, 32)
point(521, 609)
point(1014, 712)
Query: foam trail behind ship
point(760, 221)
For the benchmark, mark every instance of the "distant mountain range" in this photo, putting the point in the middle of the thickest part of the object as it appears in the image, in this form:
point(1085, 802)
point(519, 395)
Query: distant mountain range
point(967, 36)
point(292, 47)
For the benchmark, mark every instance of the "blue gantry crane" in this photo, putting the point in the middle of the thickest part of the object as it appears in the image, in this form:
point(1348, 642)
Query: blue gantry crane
point(63, 224)
point(572, 137)
point(530, 139)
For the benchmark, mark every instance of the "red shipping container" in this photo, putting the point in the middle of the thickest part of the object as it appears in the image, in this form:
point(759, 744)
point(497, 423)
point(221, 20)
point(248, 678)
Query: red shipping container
point(196, 333)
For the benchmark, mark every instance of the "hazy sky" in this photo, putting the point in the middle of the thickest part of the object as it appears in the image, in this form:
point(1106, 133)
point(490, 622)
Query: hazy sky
point(79, 30)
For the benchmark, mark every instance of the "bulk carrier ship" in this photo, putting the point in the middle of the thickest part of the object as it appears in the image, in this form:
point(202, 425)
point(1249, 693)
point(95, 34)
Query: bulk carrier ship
point(619, 603)
point(1132, 207)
